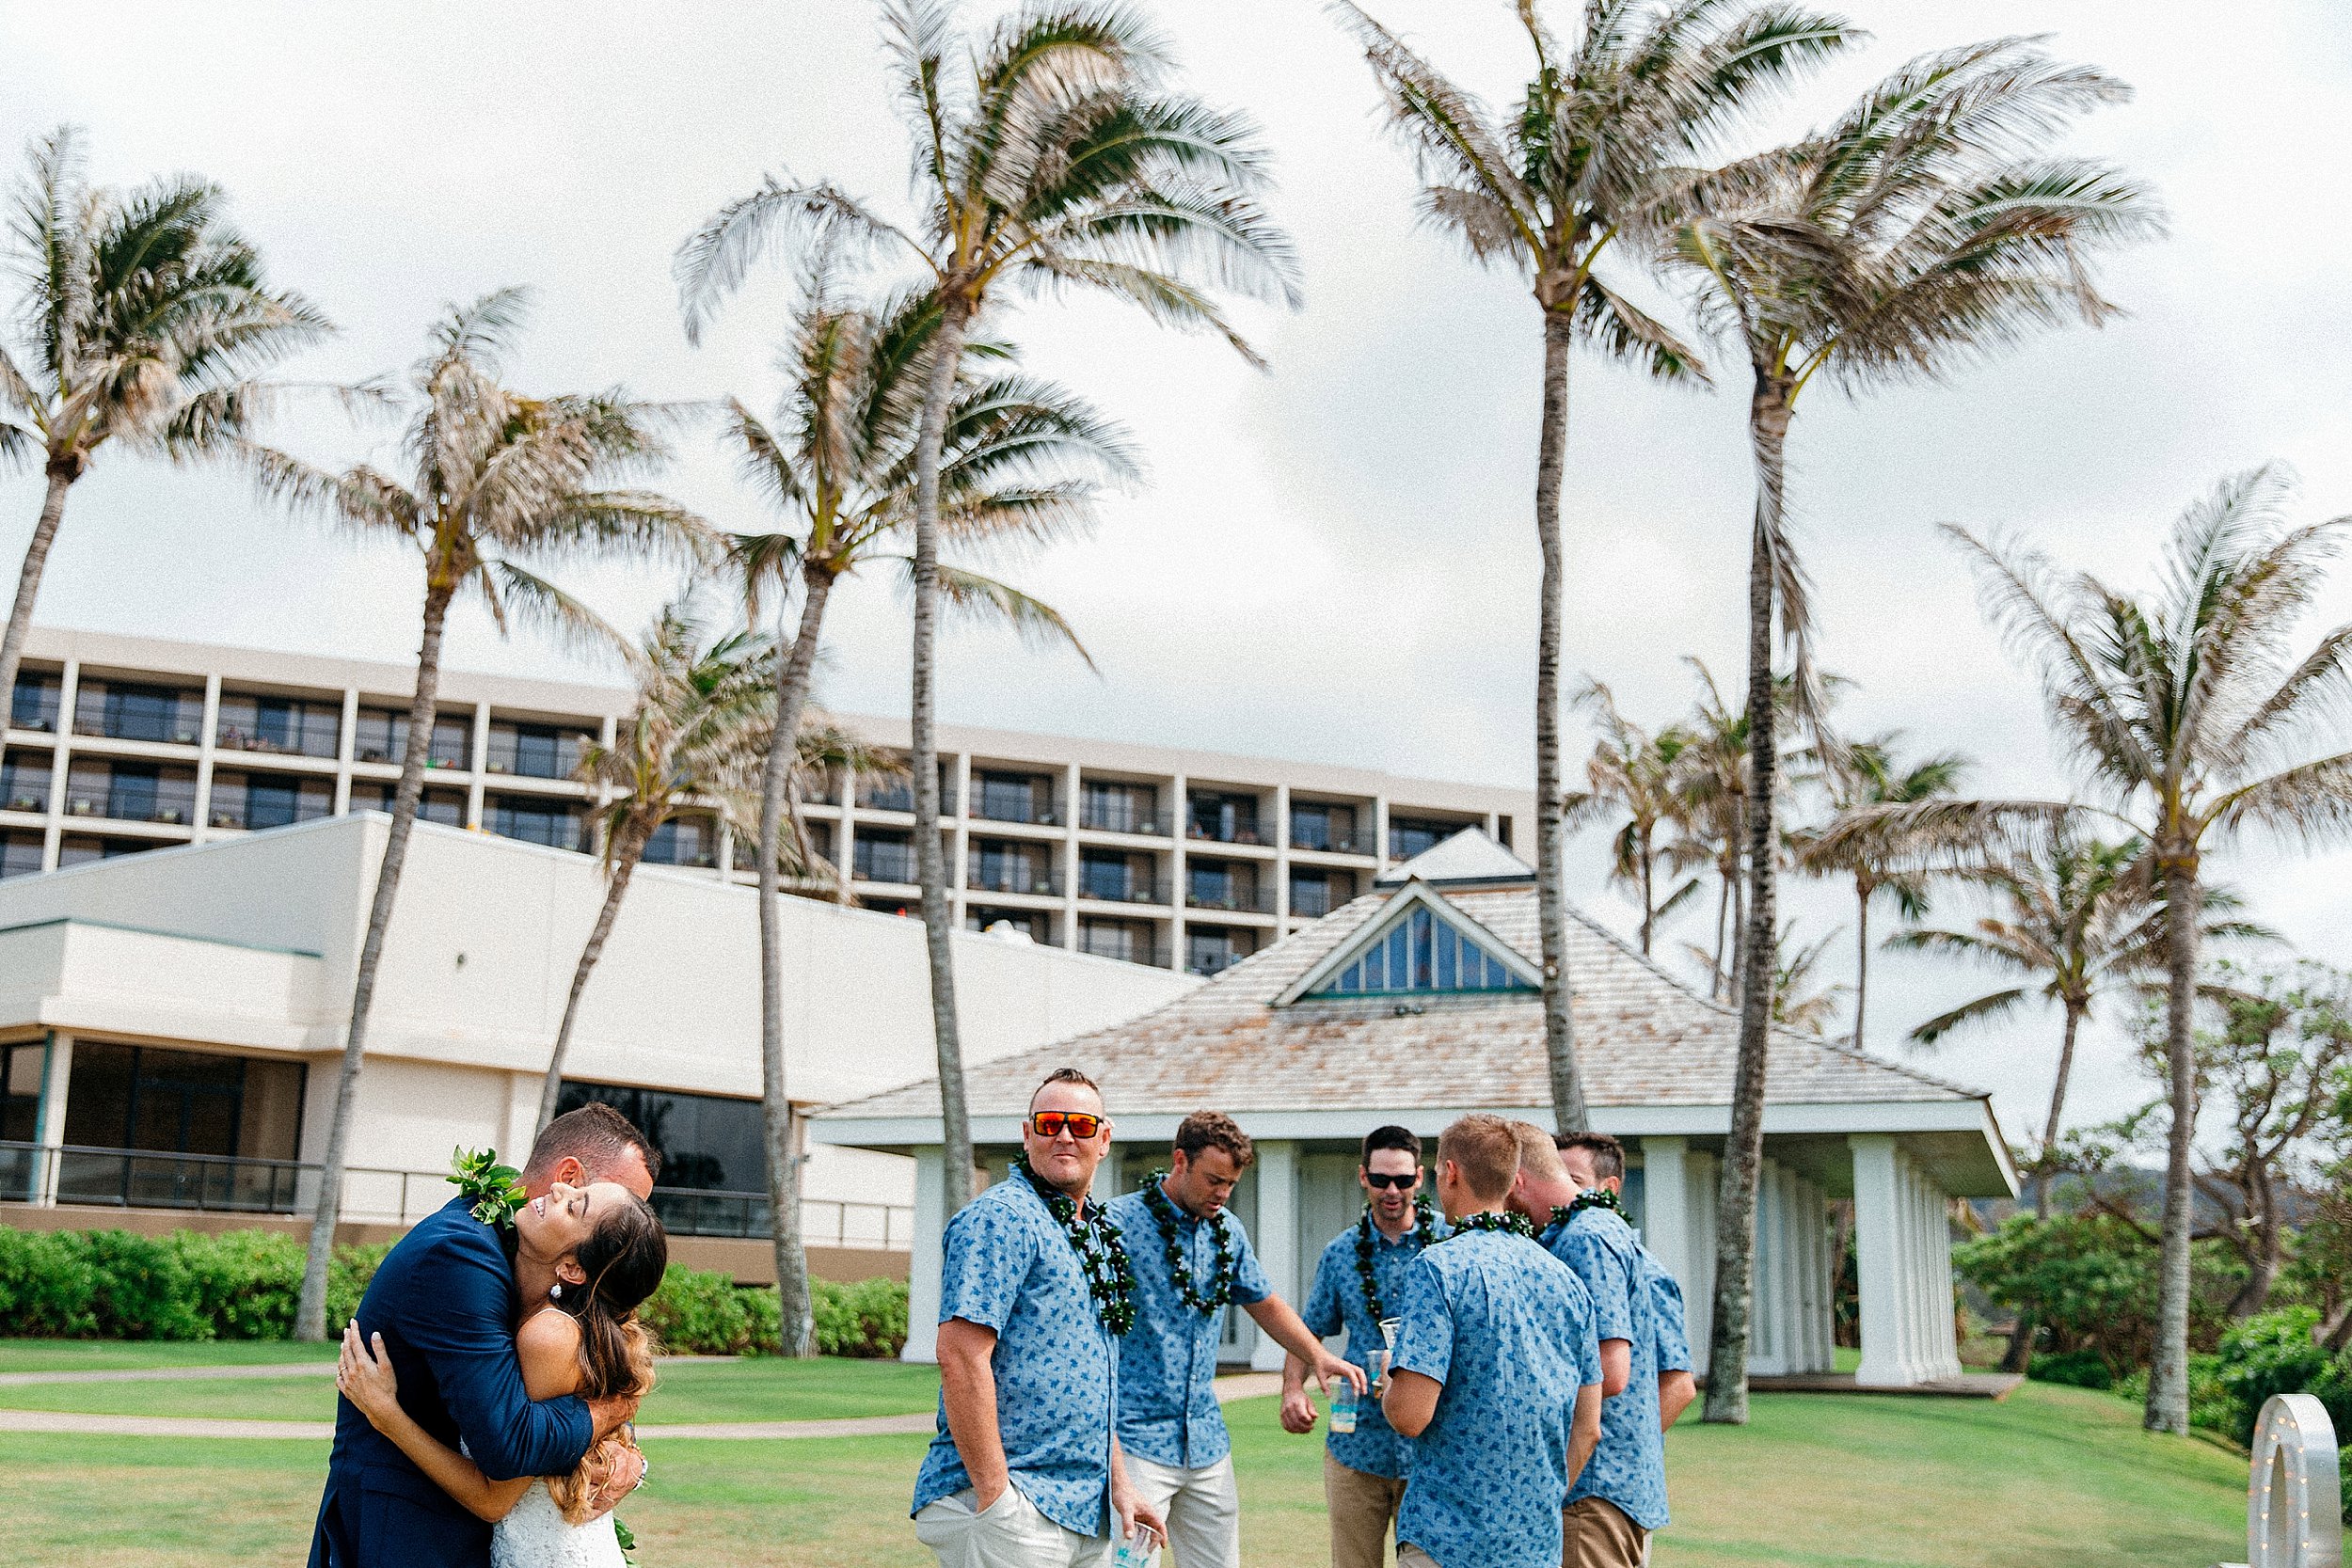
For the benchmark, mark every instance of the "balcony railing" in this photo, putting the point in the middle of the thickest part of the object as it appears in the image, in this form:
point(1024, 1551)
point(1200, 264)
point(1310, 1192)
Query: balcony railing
point(1039, 813)
point(81, 1176)
point(1331, 841)
point(1111, 816)
point(883, 863)
point(1012, 878)
point(1132, 890)
point(1314, 900)
point(171, 801)
point(34, 708)
point(1233, 832)
point(1238, 900)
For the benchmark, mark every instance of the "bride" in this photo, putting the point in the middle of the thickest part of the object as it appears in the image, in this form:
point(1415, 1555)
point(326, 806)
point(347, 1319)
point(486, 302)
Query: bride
point(588, 1256)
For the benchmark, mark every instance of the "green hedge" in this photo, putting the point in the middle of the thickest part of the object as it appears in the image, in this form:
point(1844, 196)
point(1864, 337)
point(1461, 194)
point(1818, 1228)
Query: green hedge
point(115, 1285)
point(698, 1313)
point(242, 1285)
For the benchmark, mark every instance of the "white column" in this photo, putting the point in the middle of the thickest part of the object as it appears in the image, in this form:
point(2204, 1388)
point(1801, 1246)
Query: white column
point(1939, 1335)
point(930, 1224)
point(57, 1075)
point(480, 761)
point(200, 814)
point(1698, 1281)
point(60, 759)
point(1281, 867)
point(1277, 1238)
point(346, 747)
point(1182, 826)
point(1665, 1205)
point(1066, 853)
point(1878, 1261)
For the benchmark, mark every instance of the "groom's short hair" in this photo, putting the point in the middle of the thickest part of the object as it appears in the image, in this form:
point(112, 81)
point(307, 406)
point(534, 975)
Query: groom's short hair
point(596, 1136)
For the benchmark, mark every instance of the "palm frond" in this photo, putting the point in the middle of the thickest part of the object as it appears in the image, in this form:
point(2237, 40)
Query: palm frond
point(712, 261)
point(514, 595)
point(984, 600)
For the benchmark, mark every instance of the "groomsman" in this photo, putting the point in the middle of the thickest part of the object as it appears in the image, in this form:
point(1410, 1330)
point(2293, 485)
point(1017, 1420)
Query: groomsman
point(1498, 1373)
point(1676, 1385)
point(1191, 1258)
point(1622, 1497)
point(1359, 1280)
point(1035, 1290)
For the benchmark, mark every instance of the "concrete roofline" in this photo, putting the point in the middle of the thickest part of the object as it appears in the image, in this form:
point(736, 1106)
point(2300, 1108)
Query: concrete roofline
point(153, 931)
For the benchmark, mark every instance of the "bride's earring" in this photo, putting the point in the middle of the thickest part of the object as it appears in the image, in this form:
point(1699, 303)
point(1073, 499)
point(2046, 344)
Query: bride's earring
point(555, 1291)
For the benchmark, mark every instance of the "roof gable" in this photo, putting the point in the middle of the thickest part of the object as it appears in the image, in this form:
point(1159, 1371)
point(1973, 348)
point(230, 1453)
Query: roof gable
point(1417, 942)
point(1469, 857)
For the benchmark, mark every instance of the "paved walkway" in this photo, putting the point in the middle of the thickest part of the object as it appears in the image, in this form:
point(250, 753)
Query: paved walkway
point(63, 1422)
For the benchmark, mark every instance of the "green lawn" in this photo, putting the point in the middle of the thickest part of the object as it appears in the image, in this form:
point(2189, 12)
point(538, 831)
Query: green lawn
point(2052, 1475)
point(93, 1356)
point(756, 1389)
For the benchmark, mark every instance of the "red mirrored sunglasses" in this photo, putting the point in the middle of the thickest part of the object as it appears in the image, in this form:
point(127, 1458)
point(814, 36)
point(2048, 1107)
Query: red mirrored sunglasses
point(1049, 1124)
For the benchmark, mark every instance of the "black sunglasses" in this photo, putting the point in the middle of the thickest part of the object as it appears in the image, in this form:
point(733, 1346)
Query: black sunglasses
point(1399, 1182)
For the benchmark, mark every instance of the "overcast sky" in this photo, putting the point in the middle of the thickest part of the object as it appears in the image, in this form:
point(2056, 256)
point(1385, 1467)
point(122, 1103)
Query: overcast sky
point(1331, 561)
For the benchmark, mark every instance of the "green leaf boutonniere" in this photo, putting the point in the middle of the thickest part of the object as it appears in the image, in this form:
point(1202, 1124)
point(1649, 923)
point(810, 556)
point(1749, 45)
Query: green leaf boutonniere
point(626, 1539)
point(494, 1190)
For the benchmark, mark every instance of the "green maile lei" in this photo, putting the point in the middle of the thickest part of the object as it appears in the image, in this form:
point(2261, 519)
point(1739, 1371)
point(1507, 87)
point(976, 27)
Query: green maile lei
point(1424, 1227)
point(1101, 1257)
point(493, 1192)
point(1502, 1220)
point(1165, 1214)
point(1591, 1198)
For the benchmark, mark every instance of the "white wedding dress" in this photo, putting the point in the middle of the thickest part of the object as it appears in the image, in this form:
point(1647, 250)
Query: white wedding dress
point(536, 1535)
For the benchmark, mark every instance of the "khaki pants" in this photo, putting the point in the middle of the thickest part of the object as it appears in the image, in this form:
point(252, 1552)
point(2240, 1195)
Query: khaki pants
point(1008, 1534)
point(1594, 1533)
point(1203, 1508)
point(1362, 1508)
point(1413, 1557)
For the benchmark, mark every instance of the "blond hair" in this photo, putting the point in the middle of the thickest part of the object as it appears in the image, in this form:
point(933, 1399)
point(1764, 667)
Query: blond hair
point(1537, 1157)
point(580, 1495)
point(1487, 1152)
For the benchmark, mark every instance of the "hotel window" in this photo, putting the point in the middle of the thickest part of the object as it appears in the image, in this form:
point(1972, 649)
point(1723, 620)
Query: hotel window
point(1315, 824)
point(20, 854)
point(1422, 952)
point(1116, 879)
point(1120, 808)
point(183, 1101)
point(382, 736)
point(1413, 835)
point(685, 841)
point(557, 824)
point(1222, 818)
point(1209, 950)
point(21, 1070)
point(1127, 939)
point(444, 806)
point(130, 792)
point(1014, 798)
point(535, 750)
point(79, 849)
point(123, 710)
point(1316, 893)
point(267, 799)
point(34, 704)
point(708, 1142)
point(884, 856)
point(247, 723)
point(1034, 924)
point(995, 866)
point(24, 782)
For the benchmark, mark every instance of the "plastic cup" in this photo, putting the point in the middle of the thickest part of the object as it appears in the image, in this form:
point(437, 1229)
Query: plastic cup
point(1342, 1408)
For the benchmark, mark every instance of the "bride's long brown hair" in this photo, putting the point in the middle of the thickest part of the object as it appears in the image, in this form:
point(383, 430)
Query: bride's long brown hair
point(624, 1259)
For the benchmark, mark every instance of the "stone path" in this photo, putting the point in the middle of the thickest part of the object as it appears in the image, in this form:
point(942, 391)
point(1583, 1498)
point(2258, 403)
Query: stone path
point(63, 1422)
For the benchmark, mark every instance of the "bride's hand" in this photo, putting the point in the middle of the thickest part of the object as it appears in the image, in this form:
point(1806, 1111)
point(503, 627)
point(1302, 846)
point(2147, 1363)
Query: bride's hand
point(367, 1380)
point(615, 1468)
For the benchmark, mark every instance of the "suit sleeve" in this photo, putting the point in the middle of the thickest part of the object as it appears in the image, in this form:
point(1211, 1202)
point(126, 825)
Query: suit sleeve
point(461, 1330)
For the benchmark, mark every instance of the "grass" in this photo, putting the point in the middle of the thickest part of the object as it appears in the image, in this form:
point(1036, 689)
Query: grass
point(1815, 1482)
point(96, 1356)
point(759, 1389)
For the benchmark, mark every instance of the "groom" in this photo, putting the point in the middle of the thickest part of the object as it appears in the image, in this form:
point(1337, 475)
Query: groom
point(444, 1300)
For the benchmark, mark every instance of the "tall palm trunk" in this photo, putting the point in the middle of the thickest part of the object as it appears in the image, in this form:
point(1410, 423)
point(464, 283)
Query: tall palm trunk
point(931, 861)
point(1649, 893)
point(1863, 891)
point(2057, 1107)
point(779, 1125)
point(1743, 1150)
point(625, 854)
point(1567, 1091)
point(311, 1308)
point(62, 476)
point(1722, 914)
point(2168, 1379)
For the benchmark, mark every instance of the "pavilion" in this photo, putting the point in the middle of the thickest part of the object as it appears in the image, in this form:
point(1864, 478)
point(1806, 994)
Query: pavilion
point(1422, 1001)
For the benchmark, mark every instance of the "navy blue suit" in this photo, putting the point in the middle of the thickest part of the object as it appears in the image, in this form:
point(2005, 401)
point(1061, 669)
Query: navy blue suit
point(445, 1303)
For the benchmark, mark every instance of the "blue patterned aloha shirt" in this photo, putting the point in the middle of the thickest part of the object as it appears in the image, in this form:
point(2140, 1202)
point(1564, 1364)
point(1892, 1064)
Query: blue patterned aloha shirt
point(1336, 1300)
point(1508, 1330)
point(1669, 1333)
point(1628, 1469)
point(1167, 1409)
point(1008, 1266)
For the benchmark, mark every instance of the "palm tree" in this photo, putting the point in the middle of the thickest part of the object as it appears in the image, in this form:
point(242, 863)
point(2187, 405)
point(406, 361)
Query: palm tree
point(2187, 719)
point(1925, 227)
point(1711, 788)
point(502, 482)
point(1867, 773)
point(145, 317)
point(693, 735)
point(1594, 155)
point(1639, 773)
point(1022, 462)
point(1048, 155)
point(1809, 1011)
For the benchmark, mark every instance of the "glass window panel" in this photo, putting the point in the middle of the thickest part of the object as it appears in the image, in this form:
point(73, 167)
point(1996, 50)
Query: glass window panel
point(20, 854)
point(1400, 958)
point(1446, 978)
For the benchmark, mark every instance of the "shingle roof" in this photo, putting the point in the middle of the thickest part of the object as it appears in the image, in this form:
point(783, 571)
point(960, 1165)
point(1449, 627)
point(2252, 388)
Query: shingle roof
point(1643, 1039)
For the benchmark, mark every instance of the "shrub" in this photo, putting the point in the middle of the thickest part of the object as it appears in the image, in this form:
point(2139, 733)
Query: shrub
point(243, 1283)
point(349, 1273)
point(2076, 1368)
point(47, 1288)
point(144, 1290)
point(867, 1319)
point(240, 1285)
point(2270, 1353)
point(699, 1313)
